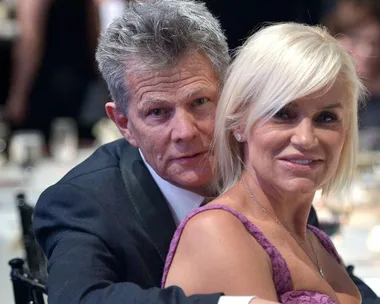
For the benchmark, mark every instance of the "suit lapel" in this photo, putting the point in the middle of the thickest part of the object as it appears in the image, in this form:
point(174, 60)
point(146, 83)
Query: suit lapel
point(147, 200)
point(313, 219)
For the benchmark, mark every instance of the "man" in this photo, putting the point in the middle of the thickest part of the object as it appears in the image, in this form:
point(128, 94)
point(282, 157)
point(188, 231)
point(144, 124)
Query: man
point(107, 225)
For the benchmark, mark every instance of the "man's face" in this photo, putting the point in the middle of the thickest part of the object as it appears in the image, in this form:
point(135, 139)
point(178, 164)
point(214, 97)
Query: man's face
point(171, 120)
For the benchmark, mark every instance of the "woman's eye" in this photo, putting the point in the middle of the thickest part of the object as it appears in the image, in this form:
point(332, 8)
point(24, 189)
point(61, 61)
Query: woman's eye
point(326, 117)
point(282, 114)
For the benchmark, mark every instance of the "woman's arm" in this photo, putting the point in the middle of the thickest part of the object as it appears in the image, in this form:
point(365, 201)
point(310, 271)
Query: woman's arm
point(216, 253)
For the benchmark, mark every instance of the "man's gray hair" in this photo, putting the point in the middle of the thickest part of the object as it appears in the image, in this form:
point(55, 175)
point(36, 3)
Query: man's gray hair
point(155, 35)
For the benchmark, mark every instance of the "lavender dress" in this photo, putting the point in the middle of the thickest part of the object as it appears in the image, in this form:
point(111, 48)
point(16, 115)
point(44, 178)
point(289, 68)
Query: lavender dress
point(281, 274)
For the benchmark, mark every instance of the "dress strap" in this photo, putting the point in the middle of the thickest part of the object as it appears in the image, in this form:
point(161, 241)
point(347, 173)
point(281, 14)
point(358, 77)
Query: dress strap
point(326, 242)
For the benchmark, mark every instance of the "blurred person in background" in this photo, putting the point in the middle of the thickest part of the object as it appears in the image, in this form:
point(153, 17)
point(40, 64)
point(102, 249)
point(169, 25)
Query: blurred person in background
point(53, 62)
point(356, 24)
point(92, 110)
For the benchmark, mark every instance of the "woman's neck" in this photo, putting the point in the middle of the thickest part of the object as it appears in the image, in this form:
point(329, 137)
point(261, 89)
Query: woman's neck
point(289, 208)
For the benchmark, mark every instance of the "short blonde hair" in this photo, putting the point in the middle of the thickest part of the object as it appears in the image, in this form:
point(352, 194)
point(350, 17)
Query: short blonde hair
point(277, 65)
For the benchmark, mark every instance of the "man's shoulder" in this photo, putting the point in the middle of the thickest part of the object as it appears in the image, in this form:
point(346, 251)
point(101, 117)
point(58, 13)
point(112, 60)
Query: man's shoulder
point(105, 159)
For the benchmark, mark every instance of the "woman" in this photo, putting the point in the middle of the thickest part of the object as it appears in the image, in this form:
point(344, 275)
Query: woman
point(286, 126)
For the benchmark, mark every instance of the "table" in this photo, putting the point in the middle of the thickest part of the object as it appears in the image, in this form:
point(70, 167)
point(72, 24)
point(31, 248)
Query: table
point(358, 247)
point(351, 244)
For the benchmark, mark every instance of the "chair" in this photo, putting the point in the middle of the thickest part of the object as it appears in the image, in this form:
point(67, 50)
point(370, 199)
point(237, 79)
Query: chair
point(28, 276)
point(26, 288)
point(35, 257)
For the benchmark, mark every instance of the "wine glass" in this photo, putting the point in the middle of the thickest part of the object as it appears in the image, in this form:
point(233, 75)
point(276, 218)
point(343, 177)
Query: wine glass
point(26, 150)
point(64, 139)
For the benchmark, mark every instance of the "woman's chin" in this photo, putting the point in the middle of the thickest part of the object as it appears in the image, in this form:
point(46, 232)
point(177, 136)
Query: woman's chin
point(301, 186)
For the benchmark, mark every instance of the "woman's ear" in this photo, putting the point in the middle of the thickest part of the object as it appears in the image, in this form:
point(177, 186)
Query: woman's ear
point(238, 134)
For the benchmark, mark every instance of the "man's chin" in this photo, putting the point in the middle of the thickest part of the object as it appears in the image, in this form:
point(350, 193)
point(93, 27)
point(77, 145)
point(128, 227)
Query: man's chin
point(192, 181)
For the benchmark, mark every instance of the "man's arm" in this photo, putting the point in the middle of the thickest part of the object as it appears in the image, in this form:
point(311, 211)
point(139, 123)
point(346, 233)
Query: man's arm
point(83, 266)
point(27, 54)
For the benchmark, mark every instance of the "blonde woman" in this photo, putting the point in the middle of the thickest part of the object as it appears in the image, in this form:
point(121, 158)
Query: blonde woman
point(286, 126)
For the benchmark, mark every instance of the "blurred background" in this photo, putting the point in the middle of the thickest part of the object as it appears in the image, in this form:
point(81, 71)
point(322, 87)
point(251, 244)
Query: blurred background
point(52, 110)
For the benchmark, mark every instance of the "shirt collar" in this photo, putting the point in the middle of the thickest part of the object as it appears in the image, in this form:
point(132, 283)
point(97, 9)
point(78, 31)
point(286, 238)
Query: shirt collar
point(181, 202)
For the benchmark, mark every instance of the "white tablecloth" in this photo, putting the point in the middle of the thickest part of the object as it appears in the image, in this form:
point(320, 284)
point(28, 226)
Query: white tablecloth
point(351, 243)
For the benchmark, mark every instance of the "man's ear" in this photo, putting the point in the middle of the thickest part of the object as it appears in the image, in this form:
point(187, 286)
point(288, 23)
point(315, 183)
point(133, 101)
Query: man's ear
point(121, 121)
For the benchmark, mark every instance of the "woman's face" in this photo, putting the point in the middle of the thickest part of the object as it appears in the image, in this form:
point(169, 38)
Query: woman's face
point(298, 149)
point(363, 42)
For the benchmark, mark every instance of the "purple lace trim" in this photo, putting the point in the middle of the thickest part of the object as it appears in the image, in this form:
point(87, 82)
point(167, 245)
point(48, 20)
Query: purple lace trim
point(325, 242)
point(305, 297)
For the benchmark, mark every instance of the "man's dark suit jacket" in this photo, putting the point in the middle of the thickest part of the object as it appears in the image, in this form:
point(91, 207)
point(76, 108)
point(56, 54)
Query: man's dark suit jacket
point(106, 228)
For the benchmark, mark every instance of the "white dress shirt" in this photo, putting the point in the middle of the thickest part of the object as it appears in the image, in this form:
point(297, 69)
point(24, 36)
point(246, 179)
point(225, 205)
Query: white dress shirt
point(181, 203)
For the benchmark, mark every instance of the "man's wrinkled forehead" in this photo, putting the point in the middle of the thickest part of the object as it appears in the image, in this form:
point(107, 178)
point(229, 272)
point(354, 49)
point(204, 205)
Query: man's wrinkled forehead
point(172, 79)
point(143, 64)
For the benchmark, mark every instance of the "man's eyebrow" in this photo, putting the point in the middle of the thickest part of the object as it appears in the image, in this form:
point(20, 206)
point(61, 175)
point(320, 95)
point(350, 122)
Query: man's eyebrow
point(148, 102)
point(151, 102)
point(195, 92)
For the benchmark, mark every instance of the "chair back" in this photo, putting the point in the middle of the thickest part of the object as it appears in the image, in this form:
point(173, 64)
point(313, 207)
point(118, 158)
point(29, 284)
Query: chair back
point(26, 288)
point(35, 257)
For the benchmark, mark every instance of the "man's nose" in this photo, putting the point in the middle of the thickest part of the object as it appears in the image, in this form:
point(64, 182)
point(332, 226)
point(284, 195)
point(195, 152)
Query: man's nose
point(184, 126)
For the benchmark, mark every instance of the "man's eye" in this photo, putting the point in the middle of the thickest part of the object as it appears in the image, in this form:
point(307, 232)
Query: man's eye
point(200, 101)
point(156, 112)
point(326, 117)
